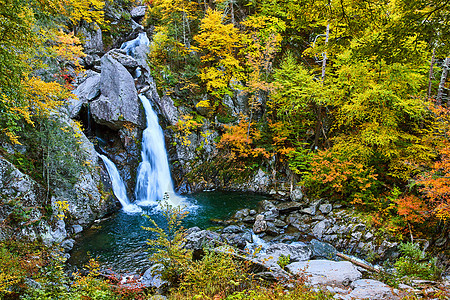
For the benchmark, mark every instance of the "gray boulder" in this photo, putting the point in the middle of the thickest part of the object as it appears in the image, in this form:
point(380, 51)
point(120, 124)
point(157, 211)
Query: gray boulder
point(86, 91)
point(326, 272)
point(233, 229)
point(240, 214)
point(199, 239)
point(152, 277)
point(297, 194)
point(260, 224)
point(118, 102)
point(371, 289)
point(125, 60)
point(67, 245)
point(236, 240)
point(297, 251)
point(326, 208)
point(322, 250)
point(287, 207)
point(320, 228)
point(138, 11)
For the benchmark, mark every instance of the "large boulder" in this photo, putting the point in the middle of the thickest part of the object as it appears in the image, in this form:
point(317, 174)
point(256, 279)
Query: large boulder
point(125, 60)
point(326, 272)
point(287, 207)
point(118, 103)
point(371, 289)
point(196, 240)
point(87, 91)
point(295, 251)
point(260, 224)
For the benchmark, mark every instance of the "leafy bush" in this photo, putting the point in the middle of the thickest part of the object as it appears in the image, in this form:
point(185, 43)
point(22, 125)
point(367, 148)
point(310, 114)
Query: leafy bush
point(215, 273)
point(414, 263)
point(341, 179)
point(283, 260)
point(167, 248)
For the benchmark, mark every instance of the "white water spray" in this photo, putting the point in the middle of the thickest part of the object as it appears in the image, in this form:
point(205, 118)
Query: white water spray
point(119, 187)
point(154, 180)
point(130, 46)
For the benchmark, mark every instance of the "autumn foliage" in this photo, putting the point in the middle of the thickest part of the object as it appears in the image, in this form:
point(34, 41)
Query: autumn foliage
point(435, 184)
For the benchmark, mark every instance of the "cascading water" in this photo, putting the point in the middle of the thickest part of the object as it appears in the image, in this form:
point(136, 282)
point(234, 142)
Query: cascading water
point(118, 186)
point(130, 46)
point(154, 180)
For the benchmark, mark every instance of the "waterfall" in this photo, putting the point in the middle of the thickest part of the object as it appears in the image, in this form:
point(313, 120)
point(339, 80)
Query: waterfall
point(257, 243)
point(130, 46)
point(118, 186)
point(154, 180)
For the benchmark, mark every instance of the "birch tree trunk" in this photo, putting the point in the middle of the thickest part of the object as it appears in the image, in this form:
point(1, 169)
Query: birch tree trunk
point(443, 80)
point(319, 124)
point(430, 74)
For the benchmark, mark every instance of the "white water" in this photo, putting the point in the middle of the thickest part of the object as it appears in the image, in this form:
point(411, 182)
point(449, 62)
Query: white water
point(256, 244)
point(119, 187)
point(154, 180)
point(130, 46)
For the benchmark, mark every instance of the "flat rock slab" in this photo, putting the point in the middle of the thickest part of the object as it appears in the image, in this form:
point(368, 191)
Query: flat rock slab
point(371, 289)
point(289, 206)
point(326, 272)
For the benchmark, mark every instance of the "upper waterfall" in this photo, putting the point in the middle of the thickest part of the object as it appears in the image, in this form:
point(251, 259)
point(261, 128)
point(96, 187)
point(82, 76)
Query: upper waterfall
point(154, 180)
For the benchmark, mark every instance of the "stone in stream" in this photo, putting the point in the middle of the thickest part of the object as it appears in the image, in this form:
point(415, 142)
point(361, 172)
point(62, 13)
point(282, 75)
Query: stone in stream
point(273, 230)
point(152, 277)
point(320, 228)
point(235, 239)
point(249, 220)
point(240, 214)
point(322, 250)
point(326, 272)
point(269, 210)
point(297, 251)
point(67, 244)
point(125, 60)
point(289, 207)
point(260, 224)
point(233, 229)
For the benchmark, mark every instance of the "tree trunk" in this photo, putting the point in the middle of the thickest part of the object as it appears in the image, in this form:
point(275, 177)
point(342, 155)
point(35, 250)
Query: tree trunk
point(430, 74)
point(324, 61)
point(232, 12)
point(319, 124)
point(440, 93)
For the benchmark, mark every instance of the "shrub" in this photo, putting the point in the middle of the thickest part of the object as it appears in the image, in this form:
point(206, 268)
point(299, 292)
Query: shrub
point(340, 179)
point(415, 264)
point(167, 248)
point(215, 273)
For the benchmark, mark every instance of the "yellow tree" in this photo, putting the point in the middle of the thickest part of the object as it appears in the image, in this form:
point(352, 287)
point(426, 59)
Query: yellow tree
point(219, 44)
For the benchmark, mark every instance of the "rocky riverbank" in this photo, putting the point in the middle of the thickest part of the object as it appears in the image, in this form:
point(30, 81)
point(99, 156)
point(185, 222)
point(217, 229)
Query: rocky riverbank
point(283, 251)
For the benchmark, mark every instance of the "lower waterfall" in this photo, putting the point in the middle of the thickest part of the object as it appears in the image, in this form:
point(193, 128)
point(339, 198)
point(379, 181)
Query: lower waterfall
point(119, 187)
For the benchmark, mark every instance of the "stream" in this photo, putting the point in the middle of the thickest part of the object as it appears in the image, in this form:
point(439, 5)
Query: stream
point(119, 242)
